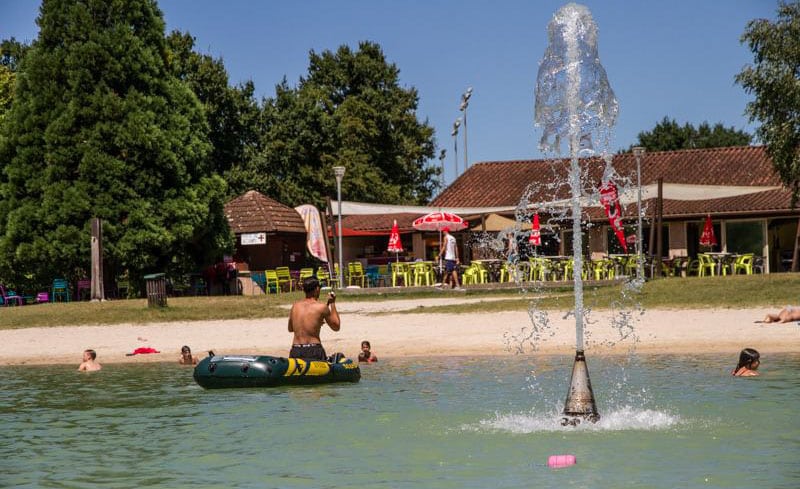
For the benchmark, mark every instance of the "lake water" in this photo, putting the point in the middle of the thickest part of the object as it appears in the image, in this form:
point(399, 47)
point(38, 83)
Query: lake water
point(666, 422)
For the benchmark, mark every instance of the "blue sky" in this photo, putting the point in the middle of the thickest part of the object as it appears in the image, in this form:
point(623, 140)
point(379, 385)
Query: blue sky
point(675, 58)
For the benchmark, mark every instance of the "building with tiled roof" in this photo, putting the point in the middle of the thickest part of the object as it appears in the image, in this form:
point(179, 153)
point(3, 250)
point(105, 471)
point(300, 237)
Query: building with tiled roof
point(268, 233)
point(736, 186)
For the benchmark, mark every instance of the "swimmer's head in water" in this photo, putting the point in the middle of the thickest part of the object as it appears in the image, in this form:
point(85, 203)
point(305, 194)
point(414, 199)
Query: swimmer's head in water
point(92, 354)
point(310, 284)
point(186, 350)
point(749, 358)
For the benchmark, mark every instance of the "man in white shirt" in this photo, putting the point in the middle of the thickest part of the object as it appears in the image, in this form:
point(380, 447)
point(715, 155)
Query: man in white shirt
point(451, 260)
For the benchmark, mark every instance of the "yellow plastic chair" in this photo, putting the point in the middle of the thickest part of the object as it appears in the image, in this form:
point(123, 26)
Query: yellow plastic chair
point(355, 273)
point(744, 263)
point(304, 274)
point(538, 269)
point(423, 273)
point(285, 277)
point(481, 273)
point(401, 271)
point(272, 282)
point(706, 265)
point(470, 276)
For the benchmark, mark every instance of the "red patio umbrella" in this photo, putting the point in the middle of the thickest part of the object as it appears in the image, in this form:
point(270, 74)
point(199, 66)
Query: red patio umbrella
point(395, 246)
point(708, 238)
point(535, 238)
point(436, 221)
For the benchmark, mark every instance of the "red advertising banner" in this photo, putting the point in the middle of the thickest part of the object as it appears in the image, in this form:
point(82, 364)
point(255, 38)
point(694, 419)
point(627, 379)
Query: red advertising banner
point(609, 197)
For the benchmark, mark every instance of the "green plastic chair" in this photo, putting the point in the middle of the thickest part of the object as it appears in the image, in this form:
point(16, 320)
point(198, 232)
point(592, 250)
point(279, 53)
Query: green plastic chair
point(355, 273)
point(285, 277)
point(707, 264)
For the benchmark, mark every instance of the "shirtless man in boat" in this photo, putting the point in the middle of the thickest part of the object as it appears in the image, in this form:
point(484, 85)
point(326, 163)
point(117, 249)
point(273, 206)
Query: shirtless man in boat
point(89, 363)
point(305, 321)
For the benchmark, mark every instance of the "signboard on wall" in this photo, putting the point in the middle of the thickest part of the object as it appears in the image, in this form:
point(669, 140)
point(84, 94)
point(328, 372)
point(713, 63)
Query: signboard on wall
point(254, 239)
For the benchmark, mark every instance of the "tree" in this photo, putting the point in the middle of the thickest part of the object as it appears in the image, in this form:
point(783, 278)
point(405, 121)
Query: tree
point(11, 53)
point(668, 135)
point(232, 113)
point(351, 111)
point(99, 127)
point(774, 79)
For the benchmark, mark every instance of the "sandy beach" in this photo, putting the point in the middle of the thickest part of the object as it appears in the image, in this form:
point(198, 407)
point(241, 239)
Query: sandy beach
point(395, 334)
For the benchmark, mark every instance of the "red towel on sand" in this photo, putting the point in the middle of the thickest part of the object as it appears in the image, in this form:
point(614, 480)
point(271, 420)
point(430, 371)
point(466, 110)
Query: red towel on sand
point(143, 350)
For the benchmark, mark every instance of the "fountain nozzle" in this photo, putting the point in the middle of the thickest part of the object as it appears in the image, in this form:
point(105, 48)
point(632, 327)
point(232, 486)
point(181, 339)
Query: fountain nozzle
point(580, 398)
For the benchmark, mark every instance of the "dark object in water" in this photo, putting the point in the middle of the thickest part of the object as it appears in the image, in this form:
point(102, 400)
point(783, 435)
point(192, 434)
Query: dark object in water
point(223, 371)
point(580, 403)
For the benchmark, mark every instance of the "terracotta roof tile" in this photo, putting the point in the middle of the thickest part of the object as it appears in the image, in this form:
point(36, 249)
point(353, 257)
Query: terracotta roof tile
point(494, 184)
point(253, 212)
point(380, 222)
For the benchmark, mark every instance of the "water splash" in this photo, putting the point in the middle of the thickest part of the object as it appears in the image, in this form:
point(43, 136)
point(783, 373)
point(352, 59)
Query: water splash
point(573, 96)
point(624, 418)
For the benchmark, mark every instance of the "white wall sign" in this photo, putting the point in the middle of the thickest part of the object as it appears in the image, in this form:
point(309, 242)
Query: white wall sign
point(254, 239)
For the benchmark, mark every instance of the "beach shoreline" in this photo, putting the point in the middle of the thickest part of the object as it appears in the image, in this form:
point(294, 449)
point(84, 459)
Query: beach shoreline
point(419, 334)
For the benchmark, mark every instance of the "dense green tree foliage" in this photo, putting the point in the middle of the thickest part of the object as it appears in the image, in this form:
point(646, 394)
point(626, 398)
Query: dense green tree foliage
point(232, 112)
point(100, 127)
point(350, 111)
point(668, 135)
point(774, 79)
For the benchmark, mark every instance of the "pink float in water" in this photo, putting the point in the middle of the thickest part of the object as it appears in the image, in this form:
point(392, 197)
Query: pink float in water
point(560, 461)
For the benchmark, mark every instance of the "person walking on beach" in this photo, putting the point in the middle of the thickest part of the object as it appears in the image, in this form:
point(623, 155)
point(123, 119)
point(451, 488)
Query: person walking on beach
point(451, 260)
point(305, 321)
point(749, 360)
point(89, 361)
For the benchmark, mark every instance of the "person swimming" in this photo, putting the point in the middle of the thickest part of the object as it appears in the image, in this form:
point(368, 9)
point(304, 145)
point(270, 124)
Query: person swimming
point(749, 360)
point(186, 357)
point(89, 362)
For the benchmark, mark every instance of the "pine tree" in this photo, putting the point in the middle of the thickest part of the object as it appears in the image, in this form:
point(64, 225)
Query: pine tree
point(99, 127)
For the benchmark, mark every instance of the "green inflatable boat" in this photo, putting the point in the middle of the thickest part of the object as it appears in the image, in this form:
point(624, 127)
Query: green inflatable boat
point(223, 371)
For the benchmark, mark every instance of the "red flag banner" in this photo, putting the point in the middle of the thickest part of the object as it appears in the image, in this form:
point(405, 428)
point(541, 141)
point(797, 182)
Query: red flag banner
point(535, 238)
point(609, 197)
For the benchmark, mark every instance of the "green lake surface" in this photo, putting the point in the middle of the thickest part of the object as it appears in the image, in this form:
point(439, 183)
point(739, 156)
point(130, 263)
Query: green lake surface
point(449, 422)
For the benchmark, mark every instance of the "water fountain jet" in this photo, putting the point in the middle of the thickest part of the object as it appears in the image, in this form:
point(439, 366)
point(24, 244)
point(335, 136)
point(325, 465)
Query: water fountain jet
point(574, 101)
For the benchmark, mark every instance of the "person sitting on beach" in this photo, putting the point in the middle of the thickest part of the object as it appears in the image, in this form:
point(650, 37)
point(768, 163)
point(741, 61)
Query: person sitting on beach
point(186, 356)
point(89, 361)
point(305, 321)
point(366, 355)
point(748, 363)
point(785, 315)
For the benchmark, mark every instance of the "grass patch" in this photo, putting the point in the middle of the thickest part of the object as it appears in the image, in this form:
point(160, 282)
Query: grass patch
point(768, 291)
point(740, 291)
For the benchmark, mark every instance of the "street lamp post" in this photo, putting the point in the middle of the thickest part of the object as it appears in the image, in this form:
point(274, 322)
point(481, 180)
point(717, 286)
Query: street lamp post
point(442, 154)
point(463, 108)
point(456, 125)
point(638, 151)
point(339, 172)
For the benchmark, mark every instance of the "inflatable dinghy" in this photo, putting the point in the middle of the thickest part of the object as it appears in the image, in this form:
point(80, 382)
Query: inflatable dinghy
point(223, 371)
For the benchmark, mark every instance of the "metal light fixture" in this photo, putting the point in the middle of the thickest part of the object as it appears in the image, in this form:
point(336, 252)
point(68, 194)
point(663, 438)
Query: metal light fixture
point(638, 152)
point(339, 172)
point(463, 108)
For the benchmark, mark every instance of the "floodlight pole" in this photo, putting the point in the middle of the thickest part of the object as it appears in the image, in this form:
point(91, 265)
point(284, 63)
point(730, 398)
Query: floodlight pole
point(463, 108)
point(442, 154)
point(638, 151)
point(339, 172)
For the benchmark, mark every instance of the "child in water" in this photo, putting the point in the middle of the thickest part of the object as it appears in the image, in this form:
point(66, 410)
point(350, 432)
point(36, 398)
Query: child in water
point(748, 363)
point(186, 357)
point(366, 355)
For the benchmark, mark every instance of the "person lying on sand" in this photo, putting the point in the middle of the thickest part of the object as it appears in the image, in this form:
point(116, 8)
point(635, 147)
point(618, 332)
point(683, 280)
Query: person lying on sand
point(786, 315)
point(89, 363)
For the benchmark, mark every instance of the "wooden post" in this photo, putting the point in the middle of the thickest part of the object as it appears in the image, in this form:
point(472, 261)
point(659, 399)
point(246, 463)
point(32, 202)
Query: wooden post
point(97, 291)
point(796, 254)
point(659, 230)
